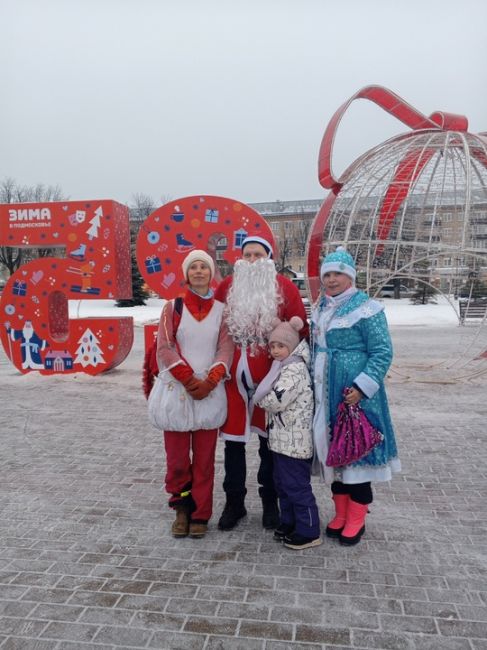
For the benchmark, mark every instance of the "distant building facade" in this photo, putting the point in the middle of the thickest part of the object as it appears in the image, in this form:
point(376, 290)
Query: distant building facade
point(437, 226)
point(290, 222)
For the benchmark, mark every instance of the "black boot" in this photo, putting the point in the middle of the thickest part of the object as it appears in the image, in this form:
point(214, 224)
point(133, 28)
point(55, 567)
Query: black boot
point(270, 513)
point(233, 511)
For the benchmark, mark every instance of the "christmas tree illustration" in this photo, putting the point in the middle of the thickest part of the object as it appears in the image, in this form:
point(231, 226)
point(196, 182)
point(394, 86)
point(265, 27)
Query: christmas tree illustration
point(88, 352)
point(95, 223)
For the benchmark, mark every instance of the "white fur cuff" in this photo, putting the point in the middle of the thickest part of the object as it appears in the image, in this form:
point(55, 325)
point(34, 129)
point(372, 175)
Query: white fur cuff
point(367, 385)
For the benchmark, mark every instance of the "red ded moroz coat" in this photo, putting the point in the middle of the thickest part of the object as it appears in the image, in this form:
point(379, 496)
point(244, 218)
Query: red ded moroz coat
point(248, 371)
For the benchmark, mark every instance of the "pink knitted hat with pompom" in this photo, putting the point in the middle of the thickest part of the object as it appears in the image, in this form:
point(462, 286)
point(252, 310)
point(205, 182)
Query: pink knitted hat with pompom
point(286, 333)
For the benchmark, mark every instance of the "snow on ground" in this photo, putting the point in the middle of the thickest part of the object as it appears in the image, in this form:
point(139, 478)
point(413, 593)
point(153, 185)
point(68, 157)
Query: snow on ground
point(399, 312)
point(102, 308)
point(402, 312)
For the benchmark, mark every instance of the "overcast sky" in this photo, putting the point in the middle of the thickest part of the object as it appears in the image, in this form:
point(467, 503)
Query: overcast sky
point(178, 97)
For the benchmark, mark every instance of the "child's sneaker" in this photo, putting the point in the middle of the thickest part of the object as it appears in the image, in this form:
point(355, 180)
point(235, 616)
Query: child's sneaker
point(283, 531)
point(298, 542)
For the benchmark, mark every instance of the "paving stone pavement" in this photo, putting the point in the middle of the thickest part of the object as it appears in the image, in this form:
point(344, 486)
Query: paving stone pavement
point(87, 560)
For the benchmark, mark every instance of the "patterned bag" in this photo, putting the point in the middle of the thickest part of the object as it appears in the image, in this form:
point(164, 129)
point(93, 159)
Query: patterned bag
point(353, 436)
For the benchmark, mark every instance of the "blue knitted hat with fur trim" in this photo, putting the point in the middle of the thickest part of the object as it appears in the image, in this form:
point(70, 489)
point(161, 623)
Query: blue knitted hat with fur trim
point(340, 262)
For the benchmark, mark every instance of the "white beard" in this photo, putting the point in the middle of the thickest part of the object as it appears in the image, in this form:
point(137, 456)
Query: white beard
point(252, 302)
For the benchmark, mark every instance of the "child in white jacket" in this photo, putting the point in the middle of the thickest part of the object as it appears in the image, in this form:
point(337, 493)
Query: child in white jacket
point(286, 395)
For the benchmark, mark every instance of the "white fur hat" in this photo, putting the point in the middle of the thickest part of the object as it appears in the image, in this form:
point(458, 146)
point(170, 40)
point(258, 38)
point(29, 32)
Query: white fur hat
point(255, 239)
point(200, 256)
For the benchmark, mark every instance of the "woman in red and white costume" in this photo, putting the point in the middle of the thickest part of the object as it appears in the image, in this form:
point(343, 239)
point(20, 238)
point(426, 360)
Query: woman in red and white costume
point(195, 347)
point(254, 296)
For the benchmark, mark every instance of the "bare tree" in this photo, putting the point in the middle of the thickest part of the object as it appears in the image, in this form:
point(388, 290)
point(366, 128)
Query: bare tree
point(10, 257)
point(285, 245)
point(11, 192)
point(301, 235)
point(7, 190)
point(165, 198)
point(48, 193)
point(142, 206)
point(291, 225)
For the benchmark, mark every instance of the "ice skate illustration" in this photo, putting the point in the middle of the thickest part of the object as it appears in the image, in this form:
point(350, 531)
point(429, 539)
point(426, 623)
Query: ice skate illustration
point(183, 245)
point(79, 253)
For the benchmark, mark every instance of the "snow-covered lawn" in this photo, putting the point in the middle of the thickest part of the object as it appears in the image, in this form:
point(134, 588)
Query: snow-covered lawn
point(102, 308)
point(402, 312)
point(399, 312)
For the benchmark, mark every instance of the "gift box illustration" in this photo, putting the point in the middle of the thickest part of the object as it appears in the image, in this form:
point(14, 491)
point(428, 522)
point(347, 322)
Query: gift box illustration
point(152, 264)
point(211, 216)
point(19, 288)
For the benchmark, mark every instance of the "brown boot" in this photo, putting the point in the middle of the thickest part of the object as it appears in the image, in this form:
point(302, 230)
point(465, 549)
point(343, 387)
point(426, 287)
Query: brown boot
point(197, 530)
point(180, 527)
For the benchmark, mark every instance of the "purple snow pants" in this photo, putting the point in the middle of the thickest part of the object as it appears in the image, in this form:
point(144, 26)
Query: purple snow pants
point(292, 479)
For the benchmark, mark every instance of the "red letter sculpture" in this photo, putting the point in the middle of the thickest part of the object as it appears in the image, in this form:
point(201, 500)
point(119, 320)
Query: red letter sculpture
point(169, 233)
point(35, 328)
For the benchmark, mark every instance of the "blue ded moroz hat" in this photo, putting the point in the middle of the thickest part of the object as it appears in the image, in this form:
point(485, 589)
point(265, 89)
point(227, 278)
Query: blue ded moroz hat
point(340, 262)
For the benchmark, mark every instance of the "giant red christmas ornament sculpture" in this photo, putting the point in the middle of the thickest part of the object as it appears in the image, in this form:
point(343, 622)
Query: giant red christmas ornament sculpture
point(413, 207)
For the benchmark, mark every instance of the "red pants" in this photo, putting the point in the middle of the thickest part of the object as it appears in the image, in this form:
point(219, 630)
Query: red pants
point(196, 473)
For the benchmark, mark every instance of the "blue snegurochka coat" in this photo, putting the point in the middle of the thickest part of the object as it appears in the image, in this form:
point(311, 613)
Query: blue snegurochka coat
point(353, 347)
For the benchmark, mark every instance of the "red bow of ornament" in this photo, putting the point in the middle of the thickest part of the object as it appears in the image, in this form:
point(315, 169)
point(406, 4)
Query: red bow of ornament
point(405, 174)
point(392, 104)
point(413, 163)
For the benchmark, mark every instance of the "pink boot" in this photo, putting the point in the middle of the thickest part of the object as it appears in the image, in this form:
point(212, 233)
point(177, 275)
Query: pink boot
point(335, 526)
point(355, 524)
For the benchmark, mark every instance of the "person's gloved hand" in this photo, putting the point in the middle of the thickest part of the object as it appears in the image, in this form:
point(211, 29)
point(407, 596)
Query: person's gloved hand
point(216, 374)
point(202, 390)
point(182, 372)
point(191, 383)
